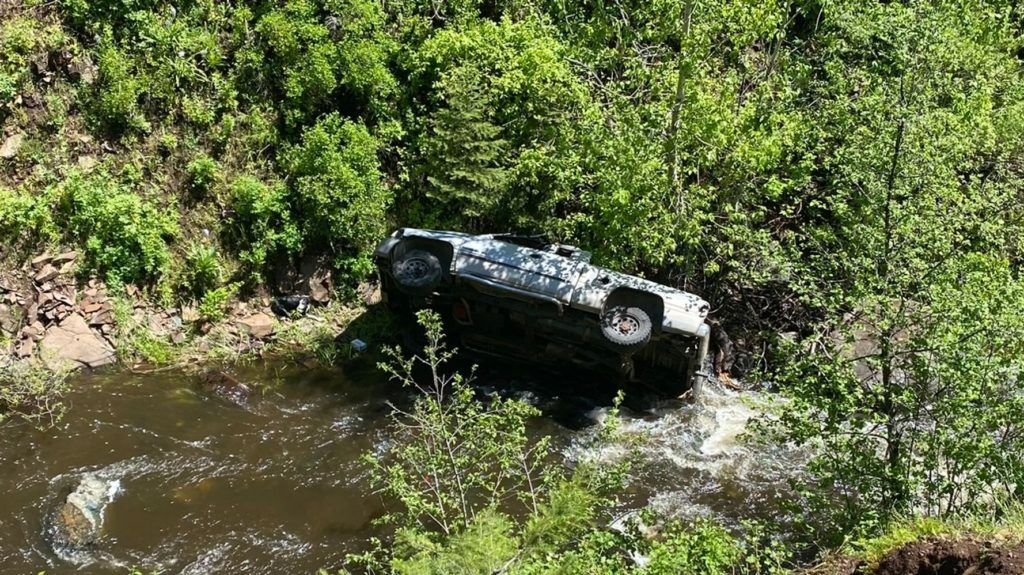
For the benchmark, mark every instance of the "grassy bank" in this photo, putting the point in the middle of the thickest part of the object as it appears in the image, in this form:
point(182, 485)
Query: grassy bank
point(933, 546)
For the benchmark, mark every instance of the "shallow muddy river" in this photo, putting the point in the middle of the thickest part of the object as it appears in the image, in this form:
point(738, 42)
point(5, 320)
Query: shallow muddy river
point(200, 484)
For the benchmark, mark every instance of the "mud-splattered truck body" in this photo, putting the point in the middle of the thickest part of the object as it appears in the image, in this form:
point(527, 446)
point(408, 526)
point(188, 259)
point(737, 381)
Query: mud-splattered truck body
point(521, 297)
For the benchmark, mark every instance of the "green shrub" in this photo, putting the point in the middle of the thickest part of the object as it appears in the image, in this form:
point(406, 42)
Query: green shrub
point(25, 219)
point(261, 224)
point(339, 201)
point(494, 139)
point(310, 52)
point(119, 90)
point(168, 143)
point(202, 173)
point(8, 87)
point(213, 306)
point(32, 392)
point(124, 237)
point(18, 39)
point(203, 271)
point(704, 548)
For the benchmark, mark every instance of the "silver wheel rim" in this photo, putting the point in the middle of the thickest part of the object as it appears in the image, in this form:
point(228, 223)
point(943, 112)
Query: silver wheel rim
point(625, 324)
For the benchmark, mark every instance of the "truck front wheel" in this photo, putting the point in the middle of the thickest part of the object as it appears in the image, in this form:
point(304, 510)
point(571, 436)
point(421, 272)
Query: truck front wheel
point(417, 272)
point(626, 329)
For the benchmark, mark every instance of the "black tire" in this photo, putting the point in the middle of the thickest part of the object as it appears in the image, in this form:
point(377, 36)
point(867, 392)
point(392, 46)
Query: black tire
point(417, 272)
point(626, 329)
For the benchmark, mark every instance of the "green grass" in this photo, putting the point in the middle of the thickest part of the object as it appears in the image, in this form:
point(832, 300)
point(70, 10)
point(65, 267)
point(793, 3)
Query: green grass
point(1007, 525)
point(135, 340)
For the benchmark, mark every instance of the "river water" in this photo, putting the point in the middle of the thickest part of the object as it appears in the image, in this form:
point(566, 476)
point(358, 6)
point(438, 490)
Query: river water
point(275, 484)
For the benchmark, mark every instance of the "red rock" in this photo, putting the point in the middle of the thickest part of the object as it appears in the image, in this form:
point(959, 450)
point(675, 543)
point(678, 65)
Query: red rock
point(73, 342)
point(46, 274)
point(42, 260)
point(259, 326)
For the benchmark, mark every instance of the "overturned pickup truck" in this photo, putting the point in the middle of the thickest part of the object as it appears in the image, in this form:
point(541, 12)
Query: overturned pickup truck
point(520, 297)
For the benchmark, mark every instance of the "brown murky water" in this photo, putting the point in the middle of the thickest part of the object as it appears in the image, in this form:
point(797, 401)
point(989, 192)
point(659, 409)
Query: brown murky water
point(277, 486)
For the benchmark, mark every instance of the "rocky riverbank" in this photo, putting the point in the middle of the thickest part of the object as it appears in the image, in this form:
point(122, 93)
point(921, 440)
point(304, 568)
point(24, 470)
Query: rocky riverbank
point(54, 320)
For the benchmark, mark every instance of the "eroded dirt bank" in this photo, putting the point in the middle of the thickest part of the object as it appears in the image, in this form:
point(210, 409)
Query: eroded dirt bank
point(962, 555)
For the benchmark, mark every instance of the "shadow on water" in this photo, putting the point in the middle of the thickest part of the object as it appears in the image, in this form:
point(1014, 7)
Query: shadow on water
point(273, 482)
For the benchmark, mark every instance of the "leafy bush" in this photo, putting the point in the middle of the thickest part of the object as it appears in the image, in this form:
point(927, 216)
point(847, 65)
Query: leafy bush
point(25, 219)
point(213, 306)
point(203, 271)
point(32, 392)
point(311, 50)
point(8, 87)
point(458, 463)
point(202, 173)
point(19, 38)
point(135, 339)
point(159, 63)
point(703, 548)
point(494, 137)
point(339, 201)
point(124, 237)
point(119, 91)
point(261, 224)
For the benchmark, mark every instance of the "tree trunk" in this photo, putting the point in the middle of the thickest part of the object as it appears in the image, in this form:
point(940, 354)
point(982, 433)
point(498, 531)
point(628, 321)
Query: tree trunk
point(685, 70)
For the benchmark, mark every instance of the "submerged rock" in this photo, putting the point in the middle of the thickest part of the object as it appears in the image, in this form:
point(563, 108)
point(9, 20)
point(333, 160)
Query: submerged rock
point(78, 523)
point(226, 386)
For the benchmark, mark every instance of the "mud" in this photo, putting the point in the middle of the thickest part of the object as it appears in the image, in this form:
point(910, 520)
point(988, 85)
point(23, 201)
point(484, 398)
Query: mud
point(943, 556)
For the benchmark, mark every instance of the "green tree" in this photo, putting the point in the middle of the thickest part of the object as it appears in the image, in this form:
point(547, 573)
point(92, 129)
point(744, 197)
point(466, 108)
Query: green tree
point(339, 202)
point(493, 139)
point(907, 248)
point(477, 494)
point(461, 466)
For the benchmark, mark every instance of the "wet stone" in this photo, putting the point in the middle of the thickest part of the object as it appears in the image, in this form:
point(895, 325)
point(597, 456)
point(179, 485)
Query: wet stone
point(78, 523)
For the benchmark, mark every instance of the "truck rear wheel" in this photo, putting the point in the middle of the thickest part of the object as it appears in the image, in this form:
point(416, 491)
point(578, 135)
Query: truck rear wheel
point(626, 329)
point(417, 272)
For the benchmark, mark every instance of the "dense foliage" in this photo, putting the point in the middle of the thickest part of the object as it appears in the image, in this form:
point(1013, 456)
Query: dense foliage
point(476, 494)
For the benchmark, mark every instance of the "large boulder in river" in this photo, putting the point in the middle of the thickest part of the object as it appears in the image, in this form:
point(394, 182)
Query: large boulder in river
point(78, 523)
